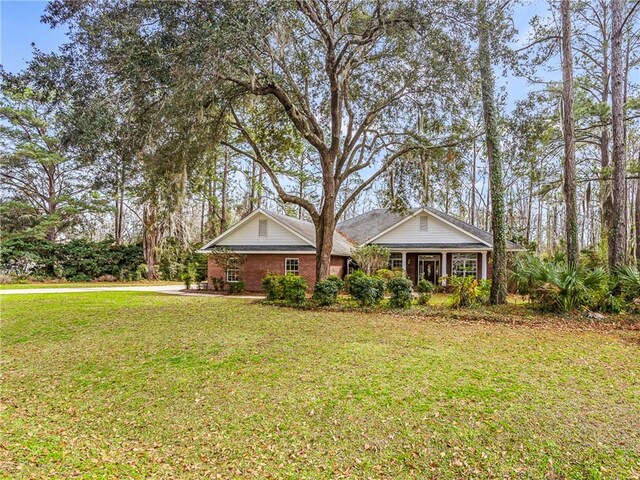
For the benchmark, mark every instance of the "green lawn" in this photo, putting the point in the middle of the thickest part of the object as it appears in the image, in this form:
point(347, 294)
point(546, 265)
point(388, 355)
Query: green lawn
point(126, 384)
point(22, 286)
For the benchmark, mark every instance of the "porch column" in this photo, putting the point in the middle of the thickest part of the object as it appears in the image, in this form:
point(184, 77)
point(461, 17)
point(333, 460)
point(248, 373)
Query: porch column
point(444, 268)
point(484, 265)
point(404, 262)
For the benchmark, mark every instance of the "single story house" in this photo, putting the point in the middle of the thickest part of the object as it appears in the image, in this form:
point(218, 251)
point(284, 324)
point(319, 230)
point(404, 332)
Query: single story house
point(425, 242)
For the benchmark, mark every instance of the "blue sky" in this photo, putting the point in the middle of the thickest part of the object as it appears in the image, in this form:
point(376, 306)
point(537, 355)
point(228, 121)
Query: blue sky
point(20, 27)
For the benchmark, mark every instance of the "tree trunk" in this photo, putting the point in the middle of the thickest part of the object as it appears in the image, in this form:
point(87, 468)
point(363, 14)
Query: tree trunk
point(637, 222)
point(473, 183)
point(569, 190)
point(223, 192)
point(150, 240)
point(618, 233)
point(494, 155)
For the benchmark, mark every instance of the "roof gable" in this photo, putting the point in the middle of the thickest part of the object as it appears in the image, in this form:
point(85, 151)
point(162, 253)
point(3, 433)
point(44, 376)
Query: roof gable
point(372, 226)
point(283, 233)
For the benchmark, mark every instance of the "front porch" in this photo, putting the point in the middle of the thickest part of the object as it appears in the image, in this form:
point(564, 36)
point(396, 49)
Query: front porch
point(434, 265)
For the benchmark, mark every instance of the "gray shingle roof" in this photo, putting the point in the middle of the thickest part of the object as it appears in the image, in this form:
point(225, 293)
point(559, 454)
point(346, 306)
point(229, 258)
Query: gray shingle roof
point(368, 225)
point(266, 248)
point(341, 245)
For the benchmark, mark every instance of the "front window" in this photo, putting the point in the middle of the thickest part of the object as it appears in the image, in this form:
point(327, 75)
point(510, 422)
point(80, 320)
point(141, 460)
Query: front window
point(291, 265)
point(233, 272)
point(395, 261)
point(464, 265)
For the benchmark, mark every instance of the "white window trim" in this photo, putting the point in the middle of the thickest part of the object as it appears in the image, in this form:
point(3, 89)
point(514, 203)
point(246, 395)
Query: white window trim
point(297, 272)
point(466, 259)
point(398, 258)
point(232, 269)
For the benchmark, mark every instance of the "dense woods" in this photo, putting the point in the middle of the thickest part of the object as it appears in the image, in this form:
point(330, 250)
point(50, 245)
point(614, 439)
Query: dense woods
point(161, 123)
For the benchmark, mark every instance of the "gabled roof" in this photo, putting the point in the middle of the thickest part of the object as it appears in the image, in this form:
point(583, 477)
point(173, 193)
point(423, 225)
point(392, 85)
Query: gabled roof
point(367, 227)
point(302, 229)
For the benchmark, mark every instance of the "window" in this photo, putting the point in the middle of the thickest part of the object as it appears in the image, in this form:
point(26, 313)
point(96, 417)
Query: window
point(395, 261)
point(424, 223)
point(464, 265)
point(262, 228)
point(233, 272)
point(291, 265)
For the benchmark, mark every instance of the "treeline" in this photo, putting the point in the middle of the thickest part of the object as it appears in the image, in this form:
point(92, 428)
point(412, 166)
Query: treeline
point(162, 123)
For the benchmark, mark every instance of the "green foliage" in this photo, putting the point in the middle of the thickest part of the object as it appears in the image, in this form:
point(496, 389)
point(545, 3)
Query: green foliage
point(294, 289)
point(326, 291)
point(187, 278)
point(273, 287)
point(141, 271)
point(368, 291)
point(628, 282)
point(386, 274)
point(401, 290)
point(557, 287)
point(484, 290)
point(464, 291)
point(217, 284)
point(425, 289)
point(78, 260)
point(236, 287)
point(371, 258)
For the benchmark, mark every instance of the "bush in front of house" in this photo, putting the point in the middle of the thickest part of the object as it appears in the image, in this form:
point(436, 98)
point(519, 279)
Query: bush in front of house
point(464, 291)
point(236, 287)
point(401, 290)
point(366, 290)
point(425, 289)
point(386, 274)
point(187, 278)
point(273, 287)
point(294, 289)
point(325, 292)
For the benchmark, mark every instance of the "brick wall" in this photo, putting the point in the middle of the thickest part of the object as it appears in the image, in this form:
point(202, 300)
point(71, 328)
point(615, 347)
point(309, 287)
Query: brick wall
point(258, 265)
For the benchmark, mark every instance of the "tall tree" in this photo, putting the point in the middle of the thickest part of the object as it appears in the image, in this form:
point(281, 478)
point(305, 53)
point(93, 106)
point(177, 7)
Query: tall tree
point(569, 186)
point(492, 139)
point(618, 255)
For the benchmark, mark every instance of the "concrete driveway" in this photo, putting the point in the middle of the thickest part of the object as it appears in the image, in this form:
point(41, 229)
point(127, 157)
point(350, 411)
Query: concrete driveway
point(122, 288)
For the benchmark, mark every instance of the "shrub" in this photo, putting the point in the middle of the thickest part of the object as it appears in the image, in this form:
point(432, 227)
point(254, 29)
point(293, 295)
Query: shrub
point(559, 287)
point(294, 289)
point(401, 289)
point(217, 284)
point(386, 274)
point(236, 287)
point(425, 289)
point(141, 271)
point(326, 291)
point(484, 291)
point(187, 278)
point(628, 282)
point(5, 279)
point(366, 290)
point(337, 280)
point(273, 287)
point(464, 291)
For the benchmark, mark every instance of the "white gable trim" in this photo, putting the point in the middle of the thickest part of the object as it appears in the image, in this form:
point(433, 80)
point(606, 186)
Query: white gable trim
point(245, 220)
point(416, 213)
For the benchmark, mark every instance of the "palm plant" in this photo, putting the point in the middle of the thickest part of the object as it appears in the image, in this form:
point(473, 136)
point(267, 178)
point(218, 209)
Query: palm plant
point(558, 286)
point(628, 282)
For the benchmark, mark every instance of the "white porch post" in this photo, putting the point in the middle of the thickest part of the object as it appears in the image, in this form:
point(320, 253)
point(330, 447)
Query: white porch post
point(404, 262)
point(484, 265)
point(444, 268)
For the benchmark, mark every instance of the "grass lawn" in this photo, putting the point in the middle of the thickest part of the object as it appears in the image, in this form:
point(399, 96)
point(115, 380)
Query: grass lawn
point(128, 384)
point(21, 286)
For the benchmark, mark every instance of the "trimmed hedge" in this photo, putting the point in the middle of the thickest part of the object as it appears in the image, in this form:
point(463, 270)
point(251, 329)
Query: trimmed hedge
point(76, 261)
point(326, 291)
point(401, 290)
point(368, 291)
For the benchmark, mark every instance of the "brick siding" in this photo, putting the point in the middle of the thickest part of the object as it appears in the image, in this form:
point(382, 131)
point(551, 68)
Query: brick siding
point(258, 265)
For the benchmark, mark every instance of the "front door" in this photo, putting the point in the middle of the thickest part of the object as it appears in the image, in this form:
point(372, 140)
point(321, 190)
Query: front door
point(429, 268)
